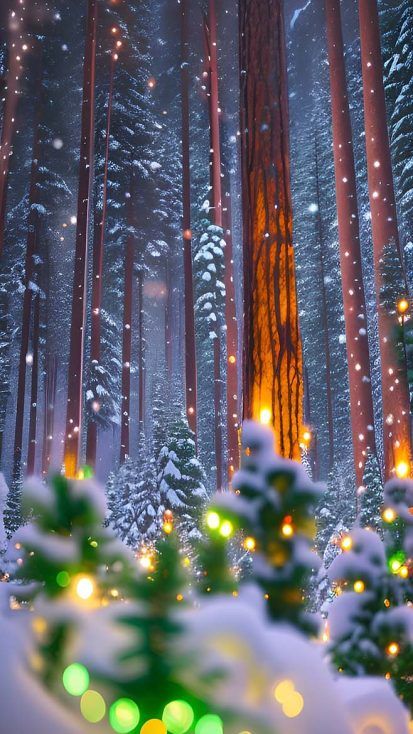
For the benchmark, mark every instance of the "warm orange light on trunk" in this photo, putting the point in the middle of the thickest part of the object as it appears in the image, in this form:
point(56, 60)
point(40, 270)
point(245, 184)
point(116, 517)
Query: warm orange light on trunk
point(272, 346)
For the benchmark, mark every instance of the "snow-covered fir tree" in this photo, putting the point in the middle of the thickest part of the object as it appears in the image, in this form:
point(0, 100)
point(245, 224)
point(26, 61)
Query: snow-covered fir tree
point(181, 478)
point(371, 499)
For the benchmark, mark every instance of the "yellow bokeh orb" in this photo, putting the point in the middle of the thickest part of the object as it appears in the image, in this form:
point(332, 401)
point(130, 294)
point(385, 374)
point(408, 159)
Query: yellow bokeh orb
point(85, 587)
point(154, 726)
point(92, 706)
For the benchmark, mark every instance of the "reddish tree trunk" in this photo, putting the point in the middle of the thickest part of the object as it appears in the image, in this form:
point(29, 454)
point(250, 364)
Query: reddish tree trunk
point(358, 358)
point(75, 371)
point(9, 116)
point(168, 324)
point(49, 406)
point(217, 216)
point(141, 358)
point(127, 346)
point(98, 249)
point(31, 455)
point(395, 395)
point(272, 346)
point(29, 271)
point(232, 345)
point(190, 351)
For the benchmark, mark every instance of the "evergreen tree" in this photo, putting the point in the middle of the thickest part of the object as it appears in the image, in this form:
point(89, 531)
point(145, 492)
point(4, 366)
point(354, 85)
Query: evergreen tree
point(273, 504)
point(181, 477)
point(64, 554)
point(372, 495)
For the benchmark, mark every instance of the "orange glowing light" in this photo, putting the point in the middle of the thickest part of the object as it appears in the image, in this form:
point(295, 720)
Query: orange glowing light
point(402, 469)
point(265, 416)
point(403, 305)
point(187, 234)
point(232, 359)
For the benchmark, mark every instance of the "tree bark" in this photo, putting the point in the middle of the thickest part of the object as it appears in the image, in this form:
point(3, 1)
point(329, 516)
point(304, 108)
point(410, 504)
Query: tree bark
point(31, 455)
point(127, 343)
point(324, 320)
point(233, 418)
point(29, 273)
point(98, 250)
point(49, 407)
point(141, 356)
point(354, 302)
point(9, 119)
point(395, 394)
point(190, 351)
point(78, 320)
point(272, 374)
point(217, 216)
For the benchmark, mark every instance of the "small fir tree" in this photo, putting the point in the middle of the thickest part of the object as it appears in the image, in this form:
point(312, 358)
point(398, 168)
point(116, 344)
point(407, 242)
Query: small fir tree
point(181, 478)
point(372, 495)
point(273, 503)
point(64, 554)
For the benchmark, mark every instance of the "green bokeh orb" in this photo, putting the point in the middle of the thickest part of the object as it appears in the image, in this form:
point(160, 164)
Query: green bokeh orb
point(178, 717)
point(209, 724)
point(92, 706)
point(63, 579)
point(124, 715)
point(76, 679)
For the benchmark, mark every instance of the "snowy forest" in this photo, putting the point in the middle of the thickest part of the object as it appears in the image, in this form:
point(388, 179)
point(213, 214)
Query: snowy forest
point(206, 366)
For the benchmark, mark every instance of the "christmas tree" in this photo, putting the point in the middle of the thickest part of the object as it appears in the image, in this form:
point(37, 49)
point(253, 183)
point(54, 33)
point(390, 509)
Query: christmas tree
point(65, 555)
point(273, 504)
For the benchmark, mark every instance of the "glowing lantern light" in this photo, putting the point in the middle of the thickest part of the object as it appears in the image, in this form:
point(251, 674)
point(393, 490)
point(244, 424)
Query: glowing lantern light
point(213, 520)
point(402, 469)
point(187, 234)
point(76, 679)
point(249, 544)
point(346, 543)
point(167, 527)
point(85, 588)
point(92, 706)
point(286, 528)
point(265, 416)
point(393, 649)
point(307, 437)
point(359, 587)
point(151, 82)
point(232, 359)
point(154, 726)
point(389, 515)
point(124, 715)
point(63, 579)
point(209, 724)
point(404, 572)
point(178, 717)
point(403, 305)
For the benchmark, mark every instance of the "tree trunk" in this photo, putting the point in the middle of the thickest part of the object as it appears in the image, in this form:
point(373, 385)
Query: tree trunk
point(49, 406)
point(395, 395)
point(31, 455)
point(127, 343)
point(29, 272)
point(78, 320)
point(233, 419)
point(217, 216)
point(272, 380)
point(141, 356)
point(98, 249)
point(324, 320)
point(358, 357)
point(9, 118)
point(168, 323)
point(190, 352)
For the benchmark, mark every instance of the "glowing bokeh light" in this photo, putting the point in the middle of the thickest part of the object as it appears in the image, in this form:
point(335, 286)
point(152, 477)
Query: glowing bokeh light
point(178, 717)
point(124, 715)
point(92, 706)
point(76, 679)
point(154, 726)
point(213, 520)
point(209, 724)
point(63, 579)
